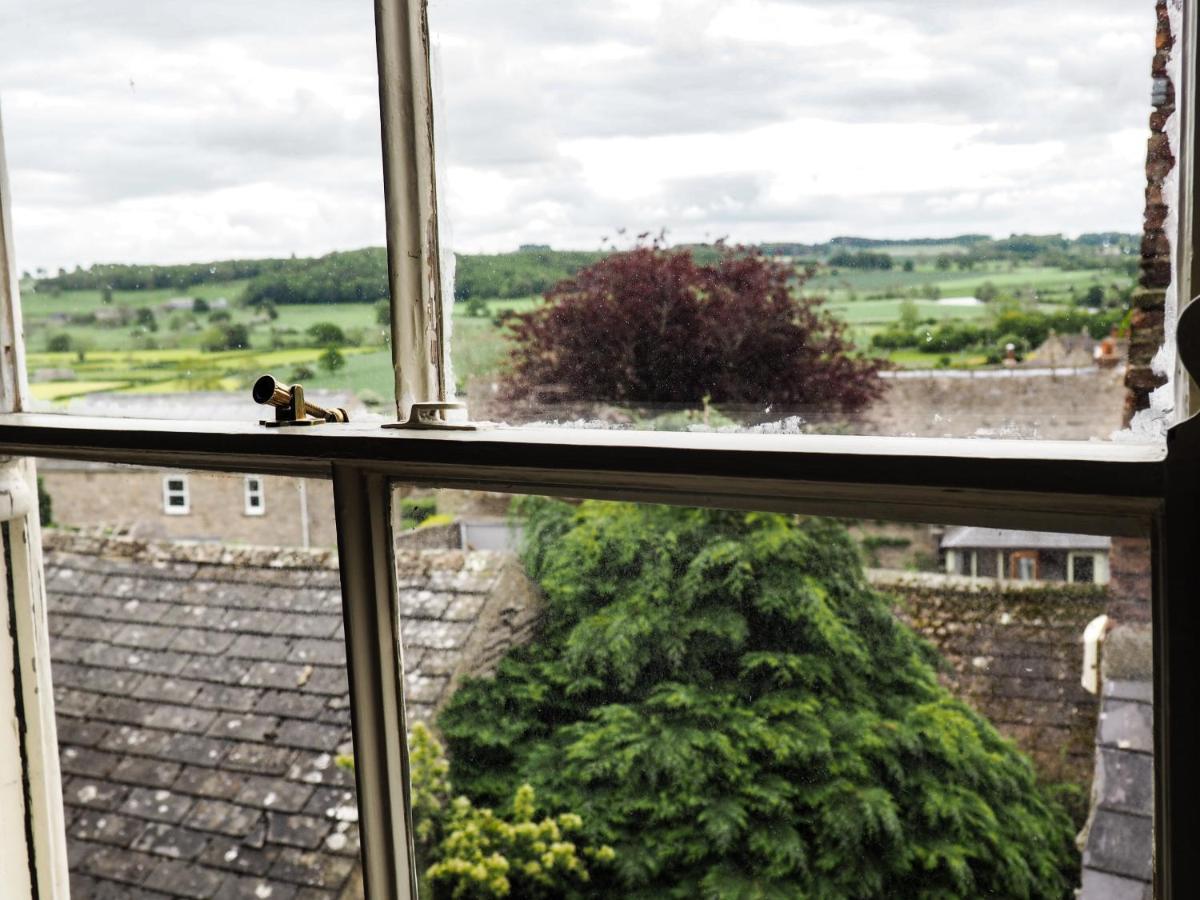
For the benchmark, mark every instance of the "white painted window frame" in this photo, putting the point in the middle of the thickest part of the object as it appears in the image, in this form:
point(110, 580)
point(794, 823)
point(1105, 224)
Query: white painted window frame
point(1116, 489)
point(255, 487)
point(1099, 566)
point(169, 492)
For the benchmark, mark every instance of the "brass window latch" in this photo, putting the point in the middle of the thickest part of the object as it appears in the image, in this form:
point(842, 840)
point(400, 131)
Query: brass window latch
point(290, 406)
point(436, 416)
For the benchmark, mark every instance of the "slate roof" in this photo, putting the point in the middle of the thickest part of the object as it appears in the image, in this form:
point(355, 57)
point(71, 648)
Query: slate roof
point(1012, 539)
point(201, 700)
point(1119, 846)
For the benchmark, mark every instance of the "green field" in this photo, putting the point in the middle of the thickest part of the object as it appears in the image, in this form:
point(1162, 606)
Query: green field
point(129, 358)
point(955, 283)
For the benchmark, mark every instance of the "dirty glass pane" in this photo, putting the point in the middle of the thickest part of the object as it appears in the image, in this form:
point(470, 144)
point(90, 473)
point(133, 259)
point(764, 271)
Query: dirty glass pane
point(197, 199)
point(200, 687)
point(731, 704)
point(936, 219)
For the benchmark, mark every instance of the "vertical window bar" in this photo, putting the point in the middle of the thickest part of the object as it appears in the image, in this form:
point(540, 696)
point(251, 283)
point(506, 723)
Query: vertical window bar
point(31, 743)
point(13, 386)
point(370, 610)
point(1187, 234)
point(419, 338)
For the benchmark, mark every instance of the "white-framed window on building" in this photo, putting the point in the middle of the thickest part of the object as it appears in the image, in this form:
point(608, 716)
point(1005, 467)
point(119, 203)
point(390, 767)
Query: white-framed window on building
point(1088, 568)
point(256, 496)
point(176, 496)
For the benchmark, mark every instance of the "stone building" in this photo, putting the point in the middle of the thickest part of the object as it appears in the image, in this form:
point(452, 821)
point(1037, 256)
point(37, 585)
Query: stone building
point(269, 510)
point(1010, 555)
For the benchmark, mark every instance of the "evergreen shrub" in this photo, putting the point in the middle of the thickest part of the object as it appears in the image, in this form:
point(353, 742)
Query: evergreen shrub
point(728, 704)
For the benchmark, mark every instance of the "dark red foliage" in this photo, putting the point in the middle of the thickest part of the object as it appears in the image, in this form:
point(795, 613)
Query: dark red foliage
point(652, 326)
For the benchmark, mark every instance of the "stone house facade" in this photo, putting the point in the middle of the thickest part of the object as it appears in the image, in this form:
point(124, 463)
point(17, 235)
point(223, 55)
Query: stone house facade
point(151, 503)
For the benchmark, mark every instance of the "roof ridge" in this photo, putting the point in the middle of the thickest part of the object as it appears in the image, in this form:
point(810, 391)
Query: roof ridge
point(204, 553)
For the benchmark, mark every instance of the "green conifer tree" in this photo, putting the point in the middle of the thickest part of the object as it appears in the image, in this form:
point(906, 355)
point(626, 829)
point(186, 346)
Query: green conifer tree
point(732, 708)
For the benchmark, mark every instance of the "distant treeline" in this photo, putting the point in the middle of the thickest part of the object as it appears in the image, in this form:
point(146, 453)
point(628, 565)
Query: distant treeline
point(864, 259)
point(360, 276)
point(521, 274)
point(122, 277)
point(355, 276)
point(979, 247)
point(1025, 329)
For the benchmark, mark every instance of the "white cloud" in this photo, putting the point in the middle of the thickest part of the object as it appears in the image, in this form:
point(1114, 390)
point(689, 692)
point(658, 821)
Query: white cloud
point(177, 130)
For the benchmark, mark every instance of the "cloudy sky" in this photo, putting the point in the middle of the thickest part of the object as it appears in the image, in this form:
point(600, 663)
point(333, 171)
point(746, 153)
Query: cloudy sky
point(173, 130)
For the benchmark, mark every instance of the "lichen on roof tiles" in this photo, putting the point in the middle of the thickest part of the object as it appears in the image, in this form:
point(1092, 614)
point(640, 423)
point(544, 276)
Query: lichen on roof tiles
point(202, 701)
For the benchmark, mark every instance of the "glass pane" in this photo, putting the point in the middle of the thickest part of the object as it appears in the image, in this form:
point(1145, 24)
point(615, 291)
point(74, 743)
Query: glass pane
point(907, 218)
point(197, 201)
point(731, 704)
point(200, 689)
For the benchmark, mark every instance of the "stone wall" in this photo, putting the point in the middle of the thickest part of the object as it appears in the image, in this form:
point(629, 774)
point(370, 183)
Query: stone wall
point(1016, 656)
point(1007, 404)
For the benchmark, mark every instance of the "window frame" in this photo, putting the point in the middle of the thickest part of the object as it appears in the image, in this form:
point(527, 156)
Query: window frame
point(258, 492)
point(168, 492)
point(1116, 489)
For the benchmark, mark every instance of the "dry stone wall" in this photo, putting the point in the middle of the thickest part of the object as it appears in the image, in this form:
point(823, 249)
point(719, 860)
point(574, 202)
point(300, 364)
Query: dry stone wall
point(1016, 656)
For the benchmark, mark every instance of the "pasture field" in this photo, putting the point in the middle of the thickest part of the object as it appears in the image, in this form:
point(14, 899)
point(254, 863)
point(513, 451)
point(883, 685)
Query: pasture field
point(169, 371)
point(954, 283)
point(129, 358)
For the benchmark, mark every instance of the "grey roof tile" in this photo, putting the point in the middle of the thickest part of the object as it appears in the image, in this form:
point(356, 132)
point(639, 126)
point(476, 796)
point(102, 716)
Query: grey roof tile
point(157, 805)
point(79, 733)
point(203, 699)
point(1127, 726)
point(167, 689)
point(236, 856)
point(305, 832)
point(292, 704)
point(323, 652)
point(277, 675)
point(145, 771)
point(186, 880)
point(222, 818)
point(106, 827)
point(214, 783)
point(244, 727)
point(87, 762)
point(247, 887)
point(259, 758)
point(119, 864)
point(148, 637)
point(1105, 886)
point(1125, 781)
point(196, 749)
point(257, 647)
point(311, 868)
point(310, 735)
point(93, 793)
point(1120, 844)
point(327, 680)
point(223, 670)
point(131, 739)
point(170, 840)
point(228, 697)
point(274, 793)
point(201, 640)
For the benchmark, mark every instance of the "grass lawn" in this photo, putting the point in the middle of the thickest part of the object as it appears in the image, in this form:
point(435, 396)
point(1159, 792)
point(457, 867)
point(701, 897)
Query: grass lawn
point(915, 359)
point(884, 312)
point(370, 370)
point(955, 283)
point(35, 304)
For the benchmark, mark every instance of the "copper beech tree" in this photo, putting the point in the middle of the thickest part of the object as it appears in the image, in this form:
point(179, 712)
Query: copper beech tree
point(652, 325)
